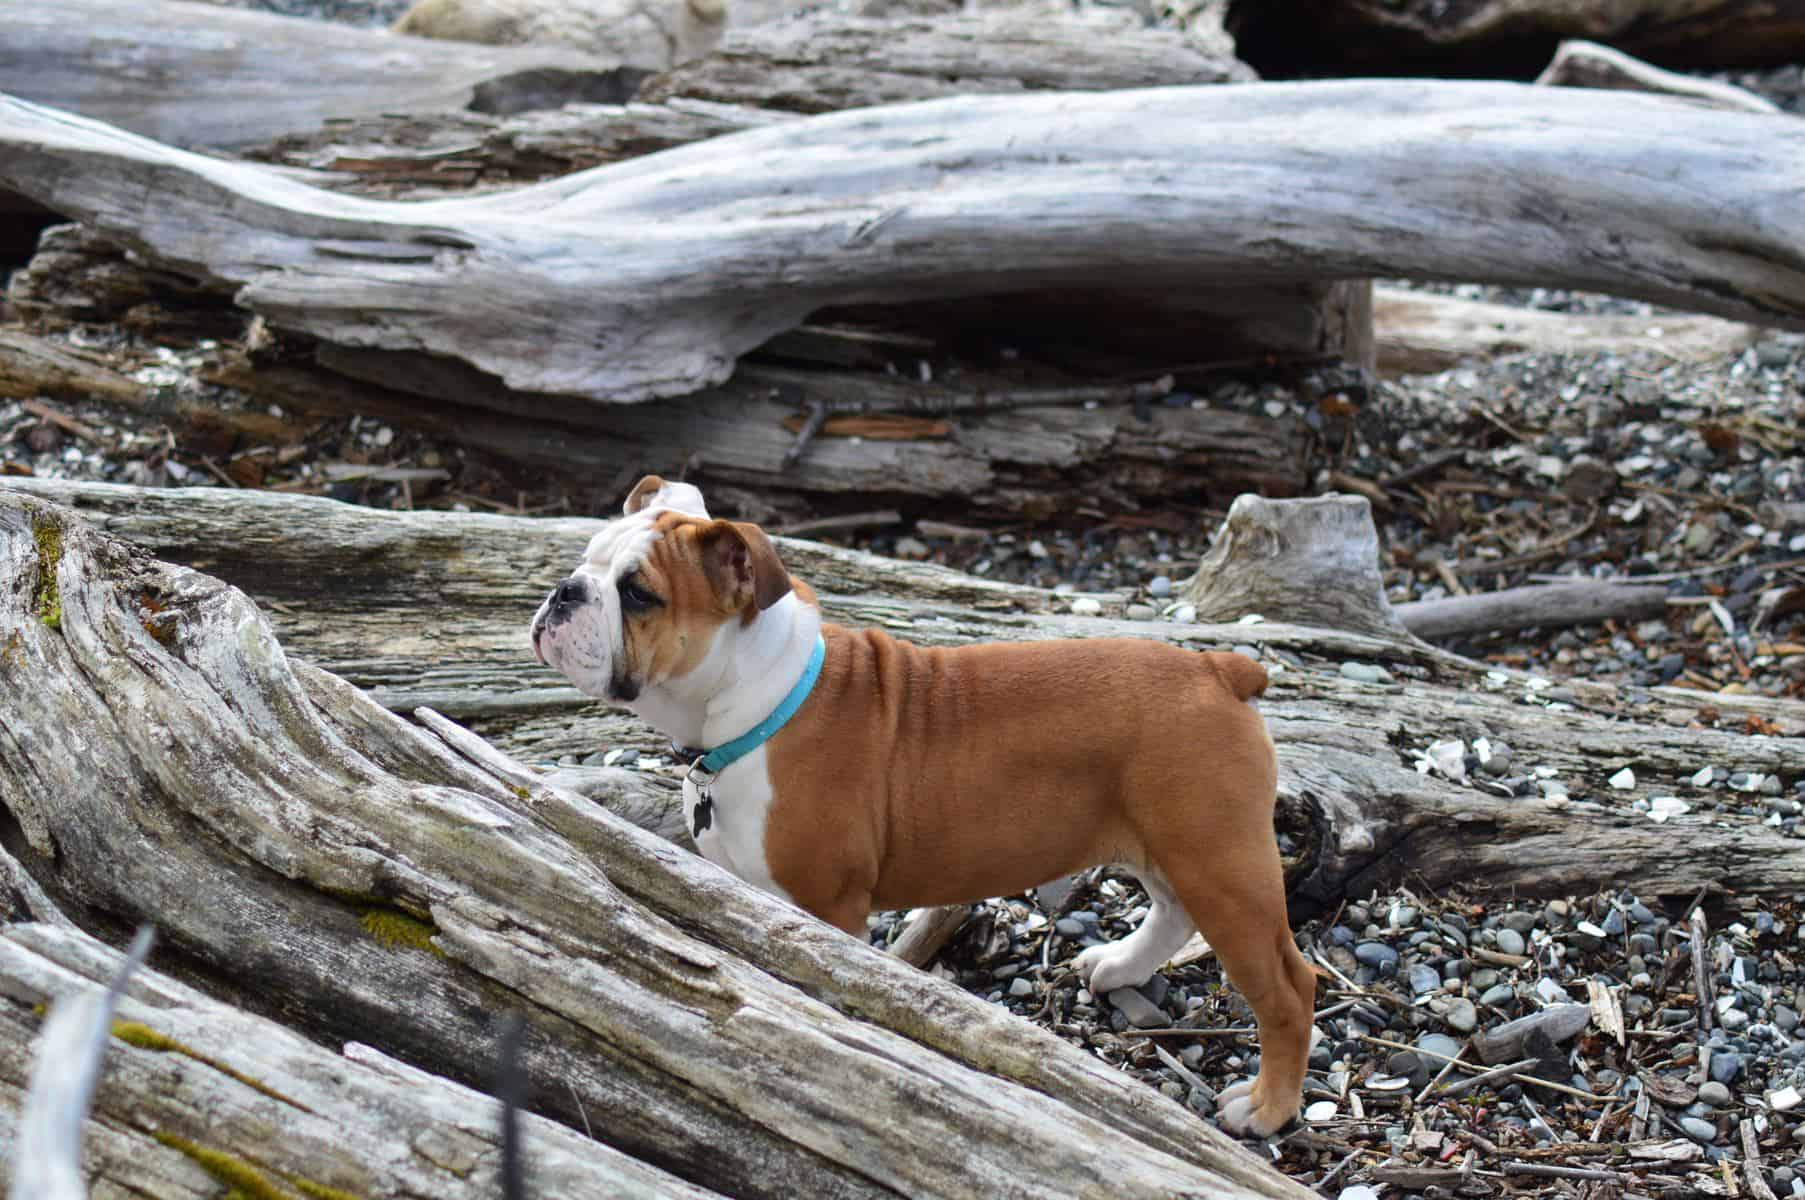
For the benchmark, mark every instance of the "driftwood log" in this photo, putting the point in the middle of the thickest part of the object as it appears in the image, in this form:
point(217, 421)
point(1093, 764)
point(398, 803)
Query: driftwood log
point(307, 853)
point(1043, 190)
point(427, 609)
point(1415, 332)
point(205, 75)
point(1506, 38)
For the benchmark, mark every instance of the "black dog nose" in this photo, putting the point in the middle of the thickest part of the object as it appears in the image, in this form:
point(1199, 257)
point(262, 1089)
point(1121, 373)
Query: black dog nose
point(569, 594)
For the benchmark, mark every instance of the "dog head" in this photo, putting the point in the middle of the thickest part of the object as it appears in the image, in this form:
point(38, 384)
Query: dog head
point(654, 593)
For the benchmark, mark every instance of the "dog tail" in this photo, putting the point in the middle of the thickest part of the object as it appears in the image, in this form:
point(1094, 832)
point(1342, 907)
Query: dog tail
point(1244, 677)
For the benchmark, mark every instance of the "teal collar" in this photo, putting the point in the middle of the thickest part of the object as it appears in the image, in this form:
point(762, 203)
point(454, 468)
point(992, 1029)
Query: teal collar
point(711, 763)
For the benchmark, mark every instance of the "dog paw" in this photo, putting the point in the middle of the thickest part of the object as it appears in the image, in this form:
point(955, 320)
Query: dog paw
point(1238, 1111)
point(1106, 968)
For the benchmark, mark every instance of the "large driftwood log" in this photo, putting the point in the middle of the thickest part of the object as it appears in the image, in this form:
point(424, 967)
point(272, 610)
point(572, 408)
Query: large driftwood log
point(310, 854)
point(679, 262)
point(206, 75)
point(427, 608)
point(1506, 37)
point(194, 1089)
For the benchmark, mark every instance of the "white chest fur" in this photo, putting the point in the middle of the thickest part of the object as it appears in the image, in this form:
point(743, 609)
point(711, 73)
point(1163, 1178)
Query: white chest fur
point(732, 820)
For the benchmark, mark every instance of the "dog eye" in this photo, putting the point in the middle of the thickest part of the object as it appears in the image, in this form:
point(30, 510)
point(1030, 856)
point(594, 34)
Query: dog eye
point(635, 598)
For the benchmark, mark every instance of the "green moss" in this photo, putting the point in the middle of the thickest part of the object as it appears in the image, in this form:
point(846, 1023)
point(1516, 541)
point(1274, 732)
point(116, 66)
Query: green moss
point(145, 1038)
point(520, 791)
point(246, 1182)
point(46, 598)
point(394, 928)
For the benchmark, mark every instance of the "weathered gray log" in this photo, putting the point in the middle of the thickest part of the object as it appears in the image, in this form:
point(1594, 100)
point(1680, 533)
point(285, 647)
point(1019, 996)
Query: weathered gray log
point(1505, 38)
point(1418, 332)
point(1580, 63)
point(1308, 562)
point(825, 62)
point(427, 608)
point(195, 1088)
point(1551, 606)
point(163, 759)
point(207, 75)
point(1042, 190)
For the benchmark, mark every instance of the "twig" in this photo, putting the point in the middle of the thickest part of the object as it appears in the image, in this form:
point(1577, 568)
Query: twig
point(67, 424)
point(815, 415)
point(1182, 1071)
point(1461, 1087)
point(1701, 974)
point(1335, 1171)
point(1179, 1031)
point(858, 520)
point(1752, 1177)
point(1548, 1172)
point(1532, 1079)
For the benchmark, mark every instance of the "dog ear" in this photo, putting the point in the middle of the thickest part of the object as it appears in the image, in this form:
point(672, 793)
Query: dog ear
point(743, 566)
point(642, 494)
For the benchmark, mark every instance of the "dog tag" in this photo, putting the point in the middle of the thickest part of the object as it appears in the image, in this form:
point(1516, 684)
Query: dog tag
point(704, 812)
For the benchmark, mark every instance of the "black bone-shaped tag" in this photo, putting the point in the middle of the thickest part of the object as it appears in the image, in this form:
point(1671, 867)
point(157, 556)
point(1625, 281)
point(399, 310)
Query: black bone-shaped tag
point(704, 813)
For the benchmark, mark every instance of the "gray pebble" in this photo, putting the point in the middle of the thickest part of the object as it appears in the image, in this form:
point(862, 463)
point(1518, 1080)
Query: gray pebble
point(1703, 1131)
point(1726, 1065)
point(1510, 941)
point(1361, 672)
point(1424, 978)
point(1785, 1019)
point(1069, 927)
point(1438, 1043)
point(1159, 586)
point(1714, 1093)
point(1498, 995)
point(1519, 921)
point(1020, 987)
point(1141, 1012)
point(1461, 1016)
point(1141, 612)
point(1734, 1020)
point(1375, 954)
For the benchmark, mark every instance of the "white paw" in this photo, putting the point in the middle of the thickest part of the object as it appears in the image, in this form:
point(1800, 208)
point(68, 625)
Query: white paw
point(1106, 968)
point(1236, 1112)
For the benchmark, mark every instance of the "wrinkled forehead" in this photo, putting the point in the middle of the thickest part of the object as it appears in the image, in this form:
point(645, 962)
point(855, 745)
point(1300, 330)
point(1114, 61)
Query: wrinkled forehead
point(624, 544)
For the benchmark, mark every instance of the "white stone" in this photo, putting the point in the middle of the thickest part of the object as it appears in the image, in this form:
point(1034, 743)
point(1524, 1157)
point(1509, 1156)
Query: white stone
point(1322, 1110)
point(1784, 1100)
point(1085, 606)
point(1623, 780)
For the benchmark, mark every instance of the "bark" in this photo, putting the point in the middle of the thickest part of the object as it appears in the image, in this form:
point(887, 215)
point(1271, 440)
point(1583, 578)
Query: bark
point(205, 75)
point(431, 608)
point(826, 62)
point(1420, 332)
point(310, 854)
point(1043, 191)
point(1507, 37)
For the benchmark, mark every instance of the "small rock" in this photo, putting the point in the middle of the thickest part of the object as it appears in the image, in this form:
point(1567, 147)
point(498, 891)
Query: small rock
point(1321, 1110)
point(1185, 614)
point(1699, 1129)
point(1461, 1016)
point(1159, 587)
point(911, 547)
point(1141, 1012)
point(1361, 672)
point(1375, 954)
point(1494, 760)
point(1498, 995)
point(1068, 927)
point(1085, 606)
point(1020, 987)
point(1138, 612)
point(1784, 1100)
point(1424, 978)
point(1438, 1044)
point(1623, 780)
point(1726, 1066)
point(1733, 1020)
point(1552, 992)
point(1519, 920)
point(1510, 941)
point(1714, 1093)
point(1786, 1019)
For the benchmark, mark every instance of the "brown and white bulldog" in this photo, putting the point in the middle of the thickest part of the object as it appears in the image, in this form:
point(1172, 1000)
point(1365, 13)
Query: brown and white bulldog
point(914, 776)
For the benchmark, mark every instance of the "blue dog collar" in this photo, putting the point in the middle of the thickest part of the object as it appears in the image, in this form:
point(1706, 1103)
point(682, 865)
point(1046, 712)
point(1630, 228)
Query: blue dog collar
point(721, 757)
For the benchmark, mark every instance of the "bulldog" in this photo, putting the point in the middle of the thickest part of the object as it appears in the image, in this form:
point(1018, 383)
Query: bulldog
point(847, 771)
